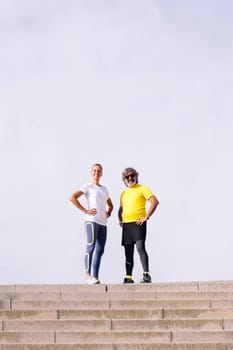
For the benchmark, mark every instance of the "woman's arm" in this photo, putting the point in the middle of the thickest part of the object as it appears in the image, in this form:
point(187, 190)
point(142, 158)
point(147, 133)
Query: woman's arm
point(110, 207)
point(74, 199)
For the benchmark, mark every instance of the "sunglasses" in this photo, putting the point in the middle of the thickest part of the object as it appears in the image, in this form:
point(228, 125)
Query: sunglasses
point(132, 176)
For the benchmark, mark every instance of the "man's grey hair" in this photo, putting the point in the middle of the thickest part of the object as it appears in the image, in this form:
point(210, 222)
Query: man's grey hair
point(130, 170)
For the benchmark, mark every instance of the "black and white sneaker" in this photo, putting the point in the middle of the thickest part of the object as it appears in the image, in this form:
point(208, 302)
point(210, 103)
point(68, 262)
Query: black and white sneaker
point(146, 278)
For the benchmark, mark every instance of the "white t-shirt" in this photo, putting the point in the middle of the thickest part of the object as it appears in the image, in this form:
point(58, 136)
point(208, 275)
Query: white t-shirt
point(96, 198)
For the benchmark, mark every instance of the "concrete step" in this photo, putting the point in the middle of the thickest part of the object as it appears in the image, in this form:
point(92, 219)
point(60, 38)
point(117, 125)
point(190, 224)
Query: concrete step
point(82, 337)
point(147, 313)
point(121, 346)
point(113, 304)
point(175, 287)
point(116, 325)
point(80, 314)
point(51, 288)
point(28, 314)
point(175, 346)
point(217, 286)
point(60, 346)
point(71, 337)
point(194, 295)
point(120, 295)
point(18, 304)
point(60, 304)
point(177, 324)
point(55, 325)
point(168, 313)
point(106, 295)
point(198, 313)
point(27, 337)
point(144, 336)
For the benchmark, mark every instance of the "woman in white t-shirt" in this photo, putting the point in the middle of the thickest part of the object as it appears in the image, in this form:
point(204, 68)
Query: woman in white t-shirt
point(99, 209)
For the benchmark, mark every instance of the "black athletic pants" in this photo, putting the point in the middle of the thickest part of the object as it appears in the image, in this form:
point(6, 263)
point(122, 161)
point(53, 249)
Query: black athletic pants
point(129, 256)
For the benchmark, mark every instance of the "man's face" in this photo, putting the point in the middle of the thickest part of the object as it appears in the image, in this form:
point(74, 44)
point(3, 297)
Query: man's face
point(130, 179)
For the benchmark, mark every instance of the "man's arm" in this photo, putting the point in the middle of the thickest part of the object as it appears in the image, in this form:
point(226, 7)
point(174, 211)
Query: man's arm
point(120, 215)
point(153, 205)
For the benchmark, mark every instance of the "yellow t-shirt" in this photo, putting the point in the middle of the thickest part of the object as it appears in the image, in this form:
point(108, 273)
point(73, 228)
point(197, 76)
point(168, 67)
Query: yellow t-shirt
point(133, 202)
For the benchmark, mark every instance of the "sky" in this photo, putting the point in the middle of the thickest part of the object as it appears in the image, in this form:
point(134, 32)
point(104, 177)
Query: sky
point(146, 84)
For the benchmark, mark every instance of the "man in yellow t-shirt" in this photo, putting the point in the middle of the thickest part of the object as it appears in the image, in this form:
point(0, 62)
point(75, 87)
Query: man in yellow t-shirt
point(133, 217)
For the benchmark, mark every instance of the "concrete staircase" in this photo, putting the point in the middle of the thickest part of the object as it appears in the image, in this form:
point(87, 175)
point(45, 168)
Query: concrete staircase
point(157, 316)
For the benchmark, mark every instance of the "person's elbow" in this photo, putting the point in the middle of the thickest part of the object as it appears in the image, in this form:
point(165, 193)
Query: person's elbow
point(154, 201)
point(72, 198)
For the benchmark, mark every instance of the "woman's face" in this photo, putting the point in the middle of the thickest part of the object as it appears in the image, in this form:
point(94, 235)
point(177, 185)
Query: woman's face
point(96, 172)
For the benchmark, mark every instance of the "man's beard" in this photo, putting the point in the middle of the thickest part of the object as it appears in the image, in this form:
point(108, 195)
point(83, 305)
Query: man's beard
point(131, 183)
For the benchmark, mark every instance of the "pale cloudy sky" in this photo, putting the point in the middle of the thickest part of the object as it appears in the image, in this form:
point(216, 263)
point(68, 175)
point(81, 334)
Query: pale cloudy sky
point(135, 83)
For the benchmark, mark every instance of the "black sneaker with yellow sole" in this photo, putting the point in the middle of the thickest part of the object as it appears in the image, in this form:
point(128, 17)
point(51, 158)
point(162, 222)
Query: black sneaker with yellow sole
point(128, 280)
